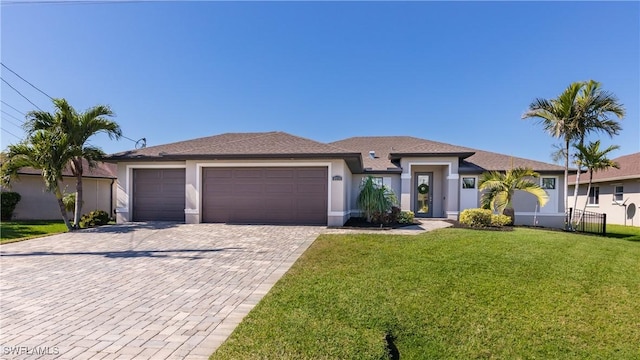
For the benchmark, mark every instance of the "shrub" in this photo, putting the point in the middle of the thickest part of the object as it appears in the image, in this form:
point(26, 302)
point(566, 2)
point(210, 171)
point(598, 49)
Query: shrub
point(94, 218)
point(406, 217)
point(375, 201)
point(9, 201)
point(481, 218)
point(500, 220)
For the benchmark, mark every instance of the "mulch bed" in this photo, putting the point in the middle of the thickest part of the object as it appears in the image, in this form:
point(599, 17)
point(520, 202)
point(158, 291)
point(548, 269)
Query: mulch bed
point(361, 223)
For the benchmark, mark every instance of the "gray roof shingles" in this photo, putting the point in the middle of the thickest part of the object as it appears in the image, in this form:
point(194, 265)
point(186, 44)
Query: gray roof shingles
point(280, 144)
point(629, 169)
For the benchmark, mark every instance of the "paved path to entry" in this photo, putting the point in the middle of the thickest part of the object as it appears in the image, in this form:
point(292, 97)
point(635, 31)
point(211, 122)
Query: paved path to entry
point(143, 291)
point(139, 291)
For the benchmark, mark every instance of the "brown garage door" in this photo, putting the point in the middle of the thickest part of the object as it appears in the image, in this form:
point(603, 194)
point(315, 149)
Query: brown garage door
point(280, 195)
point(158, 194)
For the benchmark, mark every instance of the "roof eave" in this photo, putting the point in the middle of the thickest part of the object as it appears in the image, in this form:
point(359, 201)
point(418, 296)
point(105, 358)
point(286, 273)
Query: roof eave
point(461, 155)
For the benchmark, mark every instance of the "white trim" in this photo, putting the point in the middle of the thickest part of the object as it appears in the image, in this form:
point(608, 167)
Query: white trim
point(405, 176)
point(201, 165)
point(122, 210)
point(129, 178)
point(191, 212)
point(441, 163)
point(453, 177)
point(338, 213)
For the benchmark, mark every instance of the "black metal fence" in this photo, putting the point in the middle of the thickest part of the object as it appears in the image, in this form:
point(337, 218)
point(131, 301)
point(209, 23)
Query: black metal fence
point(587, 221)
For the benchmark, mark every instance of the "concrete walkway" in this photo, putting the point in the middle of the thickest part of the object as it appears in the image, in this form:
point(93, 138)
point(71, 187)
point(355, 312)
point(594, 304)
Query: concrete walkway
point(143, 291)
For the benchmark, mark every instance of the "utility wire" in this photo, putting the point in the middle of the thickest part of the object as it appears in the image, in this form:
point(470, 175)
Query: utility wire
point(142, 142)
point(10, 133)
point(11, 122)
point(19, 93)
point(6, 113)
point(12, 107)
point(80, 2)
point(25, 80)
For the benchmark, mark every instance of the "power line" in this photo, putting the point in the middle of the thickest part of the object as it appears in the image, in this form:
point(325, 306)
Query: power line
point(12, 107)
point(80, 2)
point(25, 80)
point(19, 93)
point(6, 113)
point(11, 122)
point(10, 133)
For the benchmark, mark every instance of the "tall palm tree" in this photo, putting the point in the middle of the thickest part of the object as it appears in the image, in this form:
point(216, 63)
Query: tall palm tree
point(499, 189)
point(557, 117)
point(581, 109)
point(594, 159)
point(79, 128)
point(46, 151)
point(594, 110)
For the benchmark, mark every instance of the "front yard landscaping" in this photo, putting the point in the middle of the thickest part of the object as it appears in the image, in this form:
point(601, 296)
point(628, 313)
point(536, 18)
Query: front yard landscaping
point(12, 231)
point(451, 294)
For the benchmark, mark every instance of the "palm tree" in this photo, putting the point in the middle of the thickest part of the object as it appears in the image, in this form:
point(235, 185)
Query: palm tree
point(46, 151)
point(594, 159)
point(581, 109)
point(594, 108)
point(375, 199)
point(499, 189)
point(79, 128)
point(557, 116)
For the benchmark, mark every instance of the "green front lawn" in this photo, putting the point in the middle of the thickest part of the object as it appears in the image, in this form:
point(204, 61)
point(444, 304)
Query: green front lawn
point(631, 233)
point(13, 231)
point(451, 294)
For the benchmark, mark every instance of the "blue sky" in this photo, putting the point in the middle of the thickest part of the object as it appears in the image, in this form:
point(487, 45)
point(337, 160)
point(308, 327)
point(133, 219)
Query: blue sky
point(456, 72)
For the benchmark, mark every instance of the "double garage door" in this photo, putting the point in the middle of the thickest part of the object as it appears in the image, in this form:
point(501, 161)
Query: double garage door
point(272, 195)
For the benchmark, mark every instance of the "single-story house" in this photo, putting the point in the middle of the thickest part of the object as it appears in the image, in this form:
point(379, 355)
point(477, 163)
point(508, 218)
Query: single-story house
point(615, 192)
point(36, 203)
point(279, 178)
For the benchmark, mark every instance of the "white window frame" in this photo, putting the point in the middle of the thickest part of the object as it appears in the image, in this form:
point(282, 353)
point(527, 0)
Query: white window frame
point(616, 193)
point(595, 200)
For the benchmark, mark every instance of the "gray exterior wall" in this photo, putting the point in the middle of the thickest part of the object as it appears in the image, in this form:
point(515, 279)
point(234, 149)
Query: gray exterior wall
point(38, 204)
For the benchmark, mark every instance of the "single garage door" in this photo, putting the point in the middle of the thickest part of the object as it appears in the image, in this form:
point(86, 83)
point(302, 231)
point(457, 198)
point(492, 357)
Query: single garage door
point(278, 195)
point(158, 194)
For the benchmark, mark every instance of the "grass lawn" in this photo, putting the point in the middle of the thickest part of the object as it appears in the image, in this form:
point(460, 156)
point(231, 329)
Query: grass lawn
point(631, 233)
point(451, 294)
point(12, 231)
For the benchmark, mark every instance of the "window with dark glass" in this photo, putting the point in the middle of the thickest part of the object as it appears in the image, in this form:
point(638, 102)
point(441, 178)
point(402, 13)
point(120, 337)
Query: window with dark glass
point(594, 196)
point(468, 183)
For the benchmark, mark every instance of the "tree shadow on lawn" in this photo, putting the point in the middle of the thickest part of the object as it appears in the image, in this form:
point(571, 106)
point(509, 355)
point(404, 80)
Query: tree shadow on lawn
point(131, 253)
point(627, 237)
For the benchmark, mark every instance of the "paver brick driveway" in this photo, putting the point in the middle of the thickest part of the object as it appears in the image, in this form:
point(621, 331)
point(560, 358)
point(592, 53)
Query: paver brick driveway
point(138, 291)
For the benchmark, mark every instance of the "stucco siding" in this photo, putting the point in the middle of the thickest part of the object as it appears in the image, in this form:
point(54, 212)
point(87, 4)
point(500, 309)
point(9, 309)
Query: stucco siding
point(38, 204)
point(623, 212)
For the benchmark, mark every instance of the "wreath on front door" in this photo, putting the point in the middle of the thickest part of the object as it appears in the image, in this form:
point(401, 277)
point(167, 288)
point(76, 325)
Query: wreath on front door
point(423, 189)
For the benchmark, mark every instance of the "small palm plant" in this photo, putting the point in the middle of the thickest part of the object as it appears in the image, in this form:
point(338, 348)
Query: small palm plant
point(499, 189)
point(594, 159)
point(375, 199)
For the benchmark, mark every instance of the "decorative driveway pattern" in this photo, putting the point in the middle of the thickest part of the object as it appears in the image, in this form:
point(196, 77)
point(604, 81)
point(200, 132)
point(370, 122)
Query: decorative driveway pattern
point(139, 291)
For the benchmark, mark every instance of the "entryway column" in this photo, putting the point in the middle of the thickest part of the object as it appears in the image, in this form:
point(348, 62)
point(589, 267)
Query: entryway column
point(405, 191)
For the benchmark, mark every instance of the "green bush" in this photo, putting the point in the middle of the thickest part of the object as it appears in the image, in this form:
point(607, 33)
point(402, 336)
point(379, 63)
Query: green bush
point(500, 220)
point(481, 218)
point(94, 218)
point(9, 201)
point(406, 217)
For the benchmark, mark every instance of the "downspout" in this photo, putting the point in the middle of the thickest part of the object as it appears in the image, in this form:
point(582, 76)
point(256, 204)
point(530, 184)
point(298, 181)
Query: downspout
point(111, 209)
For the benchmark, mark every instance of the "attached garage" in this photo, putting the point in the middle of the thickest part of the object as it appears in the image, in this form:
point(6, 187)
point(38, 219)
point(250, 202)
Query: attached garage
point(265, 195)
point(158, 194)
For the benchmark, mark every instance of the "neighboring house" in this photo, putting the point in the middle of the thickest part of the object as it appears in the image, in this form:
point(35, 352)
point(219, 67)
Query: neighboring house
point(38, 204)
point(615, 192)
point(278, 178)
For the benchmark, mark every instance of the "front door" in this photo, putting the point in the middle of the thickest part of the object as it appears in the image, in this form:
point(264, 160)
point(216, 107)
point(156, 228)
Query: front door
point(424, 195)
